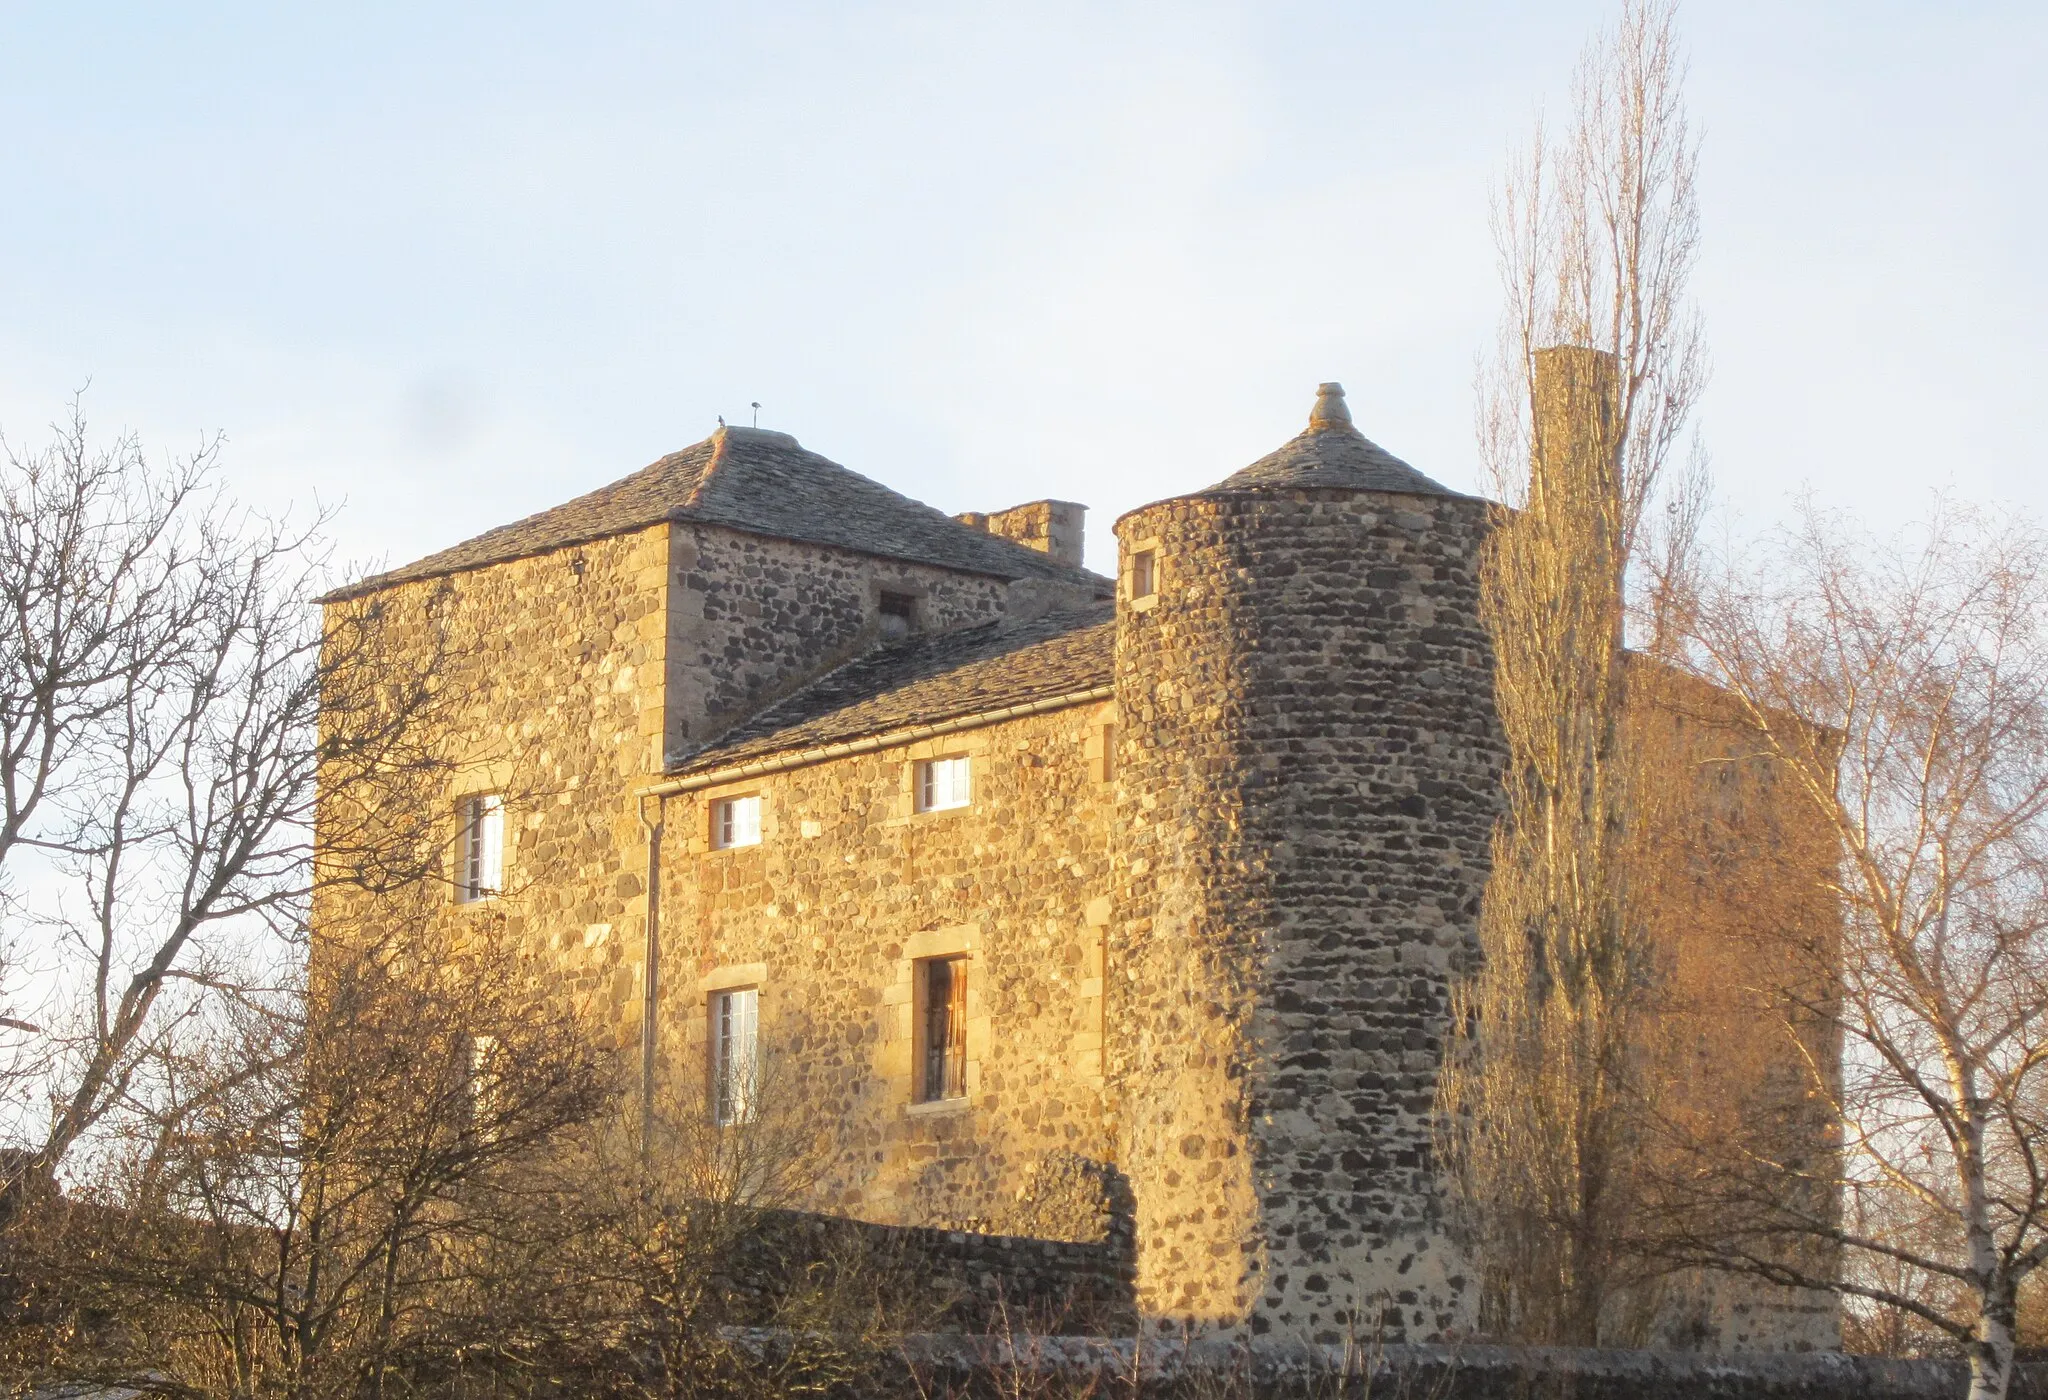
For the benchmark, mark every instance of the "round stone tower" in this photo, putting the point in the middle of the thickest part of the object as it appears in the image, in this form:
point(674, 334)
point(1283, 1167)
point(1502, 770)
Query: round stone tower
point(1308, 774)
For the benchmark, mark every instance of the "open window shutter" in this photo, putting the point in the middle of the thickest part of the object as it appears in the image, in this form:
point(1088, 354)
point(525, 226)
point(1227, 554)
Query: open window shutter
point(934, 1031)
point(472, 848)
point(492, 821)
point(956, 1016)
point(748, 1061)
point(725, 1104)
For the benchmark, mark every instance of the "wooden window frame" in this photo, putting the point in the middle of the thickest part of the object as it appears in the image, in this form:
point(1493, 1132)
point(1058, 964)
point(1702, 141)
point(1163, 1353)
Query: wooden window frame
point(939, 1053)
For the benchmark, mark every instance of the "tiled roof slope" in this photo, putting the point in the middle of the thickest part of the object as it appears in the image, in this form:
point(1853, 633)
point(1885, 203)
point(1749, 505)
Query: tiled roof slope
point(926, 679)
point(1332, 452)
point(761, 482)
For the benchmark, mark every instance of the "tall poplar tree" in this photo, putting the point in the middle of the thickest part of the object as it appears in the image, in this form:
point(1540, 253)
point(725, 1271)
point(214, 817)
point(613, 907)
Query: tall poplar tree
point(1581, 415)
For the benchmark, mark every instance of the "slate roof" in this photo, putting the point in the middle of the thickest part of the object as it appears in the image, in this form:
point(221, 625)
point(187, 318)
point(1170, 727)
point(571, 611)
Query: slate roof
point(762, 482)
point(922, 680)
point(1331, 452)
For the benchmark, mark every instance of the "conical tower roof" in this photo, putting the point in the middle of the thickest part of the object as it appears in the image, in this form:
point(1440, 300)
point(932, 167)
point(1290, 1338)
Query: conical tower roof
point(1331, 452)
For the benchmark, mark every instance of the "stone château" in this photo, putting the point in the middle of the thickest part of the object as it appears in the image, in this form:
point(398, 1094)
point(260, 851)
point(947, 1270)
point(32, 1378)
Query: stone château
point(1047, 897)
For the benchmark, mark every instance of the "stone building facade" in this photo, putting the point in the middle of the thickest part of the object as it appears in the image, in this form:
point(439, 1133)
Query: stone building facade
point(1052, 904)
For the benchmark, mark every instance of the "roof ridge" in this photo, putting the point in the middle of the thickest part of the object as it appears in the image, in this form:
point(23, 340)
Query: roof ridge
point(721, 437)
point(761, 482)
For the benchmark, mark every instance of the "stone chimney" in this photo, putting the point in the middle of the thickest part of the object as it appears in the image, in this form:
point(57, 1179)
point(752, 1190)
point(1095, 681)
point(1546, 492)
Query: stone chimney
point(1574, 418)
point(1050, 527)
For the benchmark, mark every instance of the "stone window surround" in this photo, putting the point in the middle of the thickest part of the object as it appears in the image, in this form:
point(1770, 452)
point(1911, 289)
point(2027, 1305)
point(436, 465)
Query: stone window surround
point(1089, 1043)
point(975, 746)
point(900, 608)
point(925, 775)
point(714, 810)
point(959, 980)
point(703, 838)
point(898, 1061)
point(729, 977)
point(744, 1108)
point(903, 585)
point(1098, 750)
point(1126, 580)
point(478, 780)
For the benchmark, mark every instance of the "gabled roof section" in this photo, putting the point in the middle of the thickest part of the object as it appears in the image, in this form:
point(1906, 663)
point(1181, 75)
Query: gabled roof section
point(1331, 452)
point(761, 482)
point(925, 680)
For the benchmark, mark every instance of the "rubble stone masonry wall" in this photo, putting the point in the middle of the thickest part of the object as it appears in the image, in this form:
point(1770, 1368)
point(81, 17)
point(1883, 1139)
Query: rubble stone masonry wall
point(752, 618)
point(580, 670)
point(829, 915)
point(1307, 782)
point(557, 662)
point(1742, 861)
point(1171, 1369)
point(962, 1281)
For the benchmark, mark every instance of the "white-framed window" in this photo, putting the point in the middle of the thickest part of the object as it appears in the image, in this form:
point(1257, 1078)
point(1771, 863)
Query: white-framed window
point(942, 784)
point(735, 1054)
point(480, 851)
point(736, 821)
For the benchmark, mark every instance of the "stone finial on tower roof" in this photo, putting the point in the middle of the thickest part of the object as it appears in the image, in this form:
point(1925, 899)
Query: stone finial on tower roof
point(1330, 453)
point(1330, 410)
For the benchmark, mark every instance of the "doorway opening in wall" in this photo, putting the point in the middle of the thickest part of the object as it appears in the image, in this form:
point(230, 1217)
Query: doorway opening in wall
point(942, 1029)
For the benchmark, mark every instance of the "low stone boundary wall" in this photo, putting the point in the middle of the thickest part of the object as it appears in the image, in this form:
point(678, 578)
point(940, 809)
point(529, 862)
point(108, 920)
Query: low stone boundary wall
point(954, 1367)
point(969, 1282)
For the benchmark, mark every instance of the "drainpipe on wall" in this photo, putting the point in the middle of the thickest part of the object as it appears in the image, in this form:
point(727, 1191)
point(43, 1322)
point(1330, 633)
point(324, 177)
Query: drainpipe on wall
point(650, 968)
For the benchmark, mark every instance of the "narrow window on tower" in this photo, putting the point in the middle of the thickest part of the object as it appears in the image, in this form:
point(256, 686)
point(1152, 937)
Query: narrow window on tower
point(736, 821)
point(735, 1055)
point(479, 848)
point(1144, 573)
point(942, 784)
point(942, 1052)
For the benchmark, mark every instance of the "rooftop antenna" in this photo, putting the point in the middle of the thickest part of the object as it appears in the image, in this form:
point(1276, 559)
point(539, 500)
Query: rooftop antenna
point(757, 414)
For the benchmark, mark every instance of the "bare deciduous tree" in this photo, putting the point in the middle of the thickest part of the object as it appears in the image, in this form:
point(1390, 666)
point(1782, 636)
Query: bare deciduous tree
point(166, 703)
point(1902, 691)
point(696, 1243)
point(347, 1189)
point(1599, 363)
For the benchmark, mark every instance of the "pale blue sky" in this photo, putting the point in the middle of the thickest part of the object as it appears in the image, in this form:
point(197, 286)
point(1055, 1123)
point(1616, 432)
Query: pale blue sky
point(454, 263)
